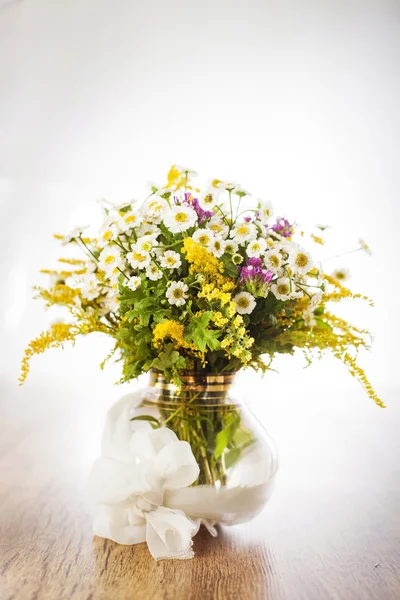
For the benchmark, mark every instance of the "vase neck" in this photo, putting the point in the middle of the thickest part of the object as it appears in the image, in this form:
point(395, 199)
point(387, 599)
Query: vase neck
point(198, 387)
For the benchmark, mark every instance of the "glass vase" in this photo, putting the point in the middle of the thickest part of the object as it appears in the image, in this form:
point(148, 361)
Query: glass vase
point(236, 456)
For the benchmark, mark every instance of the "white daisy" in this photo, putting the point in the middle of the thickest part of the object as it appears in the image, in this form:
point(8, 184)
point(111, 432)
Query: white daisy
point(148, 229)
point(300, 260)
point(309, 317)
point(127, 221)
point(112, 303)
point(227, 185)
point(155, 209)
point(208, 199)
point(256, 247)
point(72, 235)
point(265, 211)
point(170, 260)
point(282, 288)
point(110, 259)
point(138, 258)
point(145, 243)
point(179, 218)
point(341, 274)
point(133, 283)
point(231, 246)
point(189, 172)
point(107, 233)
point(218, 226)
point(273, 260)
point(245, 303)
point(90, 288)
point(176, 293)
point(244, 232)
point(217, 246)
point(204, 237)
point(153, 272)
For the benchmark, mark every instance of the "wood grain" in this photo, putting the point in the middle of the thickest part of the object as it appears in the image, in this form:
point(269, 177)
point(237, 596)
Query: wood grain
point(331, 530)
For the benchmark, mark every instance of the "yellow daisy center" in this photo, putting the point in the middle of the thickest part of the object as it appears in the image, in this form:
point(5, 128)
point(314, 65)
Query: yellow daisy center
point(273, 261)
point(181, 217)
point(243, 302)
point(301, 260)
point(283, 289)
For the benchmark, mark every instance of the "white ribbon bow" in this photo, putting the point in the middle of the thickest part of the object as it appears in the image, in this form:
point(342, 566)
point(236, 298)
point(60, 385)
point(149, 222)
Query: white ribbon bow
point(128, 493)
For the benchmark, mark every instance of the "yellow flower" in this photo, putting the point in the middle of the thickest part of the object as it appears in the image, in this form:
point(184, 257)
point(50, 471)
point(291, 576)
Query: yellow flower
point(238, 321)
point(226, 342)
point(231, 309)
point(169, 330)
point(219, 319)
point(203, 262)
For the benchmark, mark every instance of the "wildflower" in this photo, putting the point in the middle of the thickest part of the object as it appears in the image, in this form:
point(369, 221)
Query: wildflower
point(272, 260)
point(202, 262)
point(364, 246)
point(219, 320)
point(133, 283)
point(148, 229)
point(265, 211)
point(300, 260)
point(176, 293)
point(138, 258)
point(170, 260)
point(72, 235)
point(245, 303)
point(145, 243)
point(110, 259)
point(237, 259)
point(156, 208)
point(90, 288)
point(108, 233)
point(238, 321)
point(256, 247)
point(203, 237)
point(218, 226)
point(341, 274)
point(244, 233)
point(127, 221)
point(231, 247)
point(217, 246)
point(171, 330)
point(153, 272)
point(208, 199)
point(282, 288)
point(180, 218)
point(283, 227)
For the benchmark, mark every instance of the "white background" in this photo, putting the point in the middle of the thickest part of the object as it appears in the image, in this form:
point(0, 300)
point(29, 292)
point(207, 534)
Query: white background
point(297, 101)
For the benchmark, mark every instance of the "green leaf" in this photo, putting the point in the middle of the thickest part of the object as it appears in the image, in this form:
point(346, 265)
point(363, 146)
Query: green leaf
point(225, 437)
point(230, 268)
point(322, 325)
point(204, 338)
point(166, 359)
point(319, 311)
point(152, 420)
point(231, 457)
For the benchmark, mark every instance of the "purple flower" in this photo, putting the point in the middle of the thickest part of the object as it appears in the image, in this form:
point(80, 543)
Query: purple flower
point(247, 219)
point(253, 273)
point(254, 262)
point(283, 227)
point(202, 215)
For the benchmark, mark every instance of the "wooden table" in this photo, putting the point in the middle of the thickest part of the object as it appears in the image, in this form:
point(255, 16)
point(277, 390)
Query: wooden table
point(331, 530)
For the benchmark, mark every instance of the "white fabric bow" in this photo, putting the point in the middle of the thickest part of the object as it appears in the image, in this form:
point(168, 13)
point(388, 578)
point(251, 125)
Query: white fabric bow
point(128, 493)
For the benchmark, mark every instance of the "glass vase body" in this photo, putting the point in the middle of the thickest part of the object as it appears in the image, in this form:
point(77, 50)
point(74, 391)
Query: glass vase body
point(236, 456)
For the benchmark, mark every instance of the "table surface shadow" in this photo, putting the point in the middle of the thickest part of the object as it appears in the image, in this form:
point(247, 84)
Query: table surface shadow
point(331, 531)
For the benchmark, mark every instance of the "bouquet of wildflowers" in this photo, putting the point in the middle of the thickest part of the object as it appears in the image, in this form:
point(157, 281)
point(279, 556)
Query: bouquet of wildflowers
point(199, 280)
